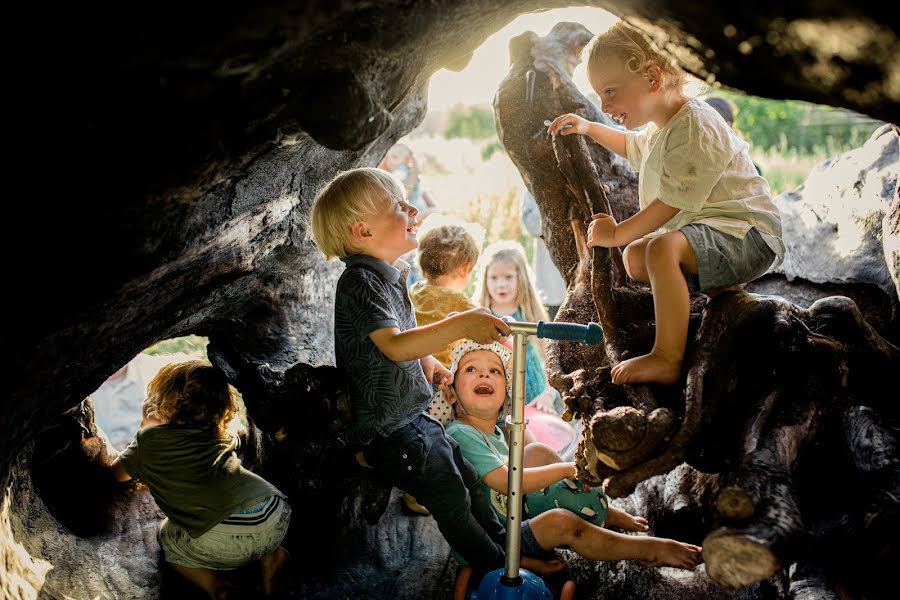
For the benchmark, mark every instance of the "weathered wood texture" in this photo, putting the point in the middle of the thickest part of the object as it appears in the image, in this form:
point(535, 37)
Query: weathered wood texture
point(167, 157)
point(766, 383)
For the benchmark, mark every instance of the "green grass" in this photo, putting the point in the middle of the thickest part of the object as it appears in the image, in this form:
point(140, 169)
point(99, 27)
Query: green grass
point(194, 345)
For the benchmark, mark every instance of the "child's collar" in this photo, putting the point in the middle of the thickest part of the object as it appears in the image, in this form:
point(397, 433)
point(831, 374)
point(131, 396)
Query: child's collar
point(390, 273)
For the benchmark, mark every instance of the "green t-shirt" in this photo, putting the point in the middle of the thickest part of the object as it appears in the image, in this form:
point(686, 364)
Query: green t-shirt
point(194, 475)
point(493, 452)
point(484, 457)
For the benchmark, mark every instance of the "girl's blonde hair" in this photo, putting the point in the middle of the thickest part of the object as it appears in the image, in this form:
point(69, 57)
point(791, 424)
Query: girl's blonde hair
point(352, 196)
point(526, 295)
point(191, 393)
point(627, 43)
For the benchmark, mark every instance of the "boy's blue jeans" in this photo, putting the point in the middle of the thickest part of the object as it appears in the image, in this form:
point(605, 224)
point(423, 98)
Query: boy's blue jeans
point(422, 460)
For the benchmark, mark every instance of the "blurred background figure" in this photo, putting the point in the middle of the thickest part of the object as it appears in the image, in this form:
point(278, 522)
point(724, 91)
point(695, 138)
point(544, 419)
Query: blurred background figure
point(724, 107)
point(402, 164)
point(549, 283)
point(729, 111)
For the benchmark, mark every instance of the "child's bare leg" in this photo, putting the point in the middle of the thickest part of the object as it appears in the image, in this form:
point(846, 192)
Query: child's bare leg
point(560, 527)
point(206, 579)
point(623, 520)
point(634, 256)
point(273, 564)
point(539, 454)
point(542, 568)
point(671, 302)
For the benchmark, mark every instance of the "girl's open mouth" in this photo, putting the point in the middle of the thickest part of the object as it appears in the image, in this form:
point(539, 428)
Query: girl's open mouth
point(484, 389)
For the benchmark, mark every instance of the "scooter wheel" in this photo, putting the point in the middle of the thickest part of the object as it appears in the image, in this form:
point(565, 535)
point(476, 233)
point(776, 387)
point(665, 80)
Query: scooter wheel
point(462, 583)
point(568, 591)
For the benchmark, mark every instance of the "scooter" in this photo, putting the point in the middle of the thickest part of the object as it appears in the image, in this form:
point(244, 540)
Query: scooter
point(512, 581)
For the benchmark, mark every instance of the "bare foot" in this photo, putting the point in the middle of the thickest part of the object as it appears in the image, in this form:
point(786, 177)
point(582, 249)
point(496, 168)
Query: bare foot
point(669, 553)
point(274, 573)
point(542, 568)
point(650, 368)
point(623, 520)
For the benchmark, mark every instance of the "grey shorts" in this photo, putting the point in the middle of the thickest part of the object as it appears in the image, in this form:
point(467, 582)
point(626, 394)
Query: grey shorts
point(724, 260)
point(238, 540)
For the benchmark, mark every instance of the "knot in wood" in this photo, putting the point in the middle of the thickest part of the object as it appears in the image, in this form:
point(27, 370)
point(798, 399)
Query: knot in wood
point(621, 428)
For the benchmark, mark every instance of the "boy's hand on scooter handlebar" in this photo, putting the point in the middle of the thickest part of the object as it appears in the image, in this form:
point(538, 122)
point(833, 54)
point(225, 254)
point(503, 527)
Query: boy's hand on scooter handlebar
point(483, 327)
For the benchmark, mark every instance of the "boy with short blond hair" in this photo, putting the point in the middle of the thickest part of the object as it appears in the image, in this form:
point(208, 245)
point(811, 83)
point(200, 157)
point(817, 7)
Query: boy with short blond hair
point(362, 217)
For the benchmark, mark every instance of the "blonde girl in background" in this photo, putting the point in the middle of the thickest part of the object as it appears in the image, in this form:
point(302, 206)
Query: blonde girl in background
point(505, 284)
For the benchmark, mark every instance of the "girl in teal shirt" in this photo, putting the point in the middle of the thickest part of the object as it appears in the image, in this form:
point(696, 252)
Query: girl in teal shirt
point(506, 286)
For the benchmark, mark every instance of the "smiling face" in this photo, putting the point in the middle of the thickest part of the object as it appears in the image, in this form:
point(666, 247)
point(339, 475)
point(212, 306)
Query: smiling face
point(502, 279)
point(625, 96)
point(480, 383)
point(392, 232)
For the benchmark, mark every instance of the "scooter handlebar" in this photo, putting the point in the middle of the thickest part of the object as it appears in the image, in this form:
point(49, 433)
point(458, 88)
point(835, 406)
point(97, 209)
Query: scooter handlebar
point(589, 334)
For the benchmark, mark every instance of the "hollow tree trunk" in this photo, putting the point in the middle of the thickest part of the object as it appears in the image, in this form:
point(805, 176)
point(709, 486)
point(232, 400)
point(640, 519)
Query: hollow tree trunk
point(769, 394)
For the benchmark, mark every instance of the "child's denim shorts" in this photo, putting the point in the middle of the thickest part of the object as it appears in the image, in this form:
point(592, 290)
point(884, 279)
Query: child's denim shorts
point(240, 539)
point(724, 260)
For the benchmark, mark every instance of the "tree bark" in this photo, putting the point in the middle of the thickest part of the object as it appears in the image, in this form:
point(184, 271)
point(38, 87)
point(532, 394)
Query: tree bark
point(767, 403)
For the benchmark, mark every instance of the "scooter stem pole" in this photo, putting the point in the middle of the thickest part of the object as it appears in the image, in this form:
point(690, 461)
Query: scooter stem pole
point(516, 426)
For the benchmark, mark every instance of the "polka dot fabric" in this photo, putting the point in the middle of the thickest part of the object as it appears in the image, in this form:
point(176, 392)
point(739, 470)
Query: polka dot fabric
point(497, 348)
point(442, 410)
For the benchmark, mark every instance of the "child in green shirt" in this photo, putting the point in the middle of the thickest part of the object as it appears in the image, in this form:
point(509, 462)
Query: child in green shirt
point(562, 512)
point(219, 515)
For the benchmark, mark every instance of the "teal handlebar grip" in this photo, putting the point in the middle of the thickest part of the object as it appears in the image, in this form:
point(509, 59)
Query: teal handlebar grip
point(589, 334)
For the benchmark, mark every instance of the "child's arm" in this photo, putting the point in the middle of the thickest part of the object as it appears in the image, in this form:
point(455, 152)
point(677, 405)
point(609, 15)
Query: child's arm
point(478, 324)
point(119, 471)
point(435, 372)
point(608, 137)
point(604, 231)
point(533, 478)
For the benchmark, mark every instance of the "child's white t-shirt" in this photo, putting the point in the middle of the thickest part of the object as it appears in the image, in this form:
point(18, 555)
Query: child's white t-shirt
point(699, 165)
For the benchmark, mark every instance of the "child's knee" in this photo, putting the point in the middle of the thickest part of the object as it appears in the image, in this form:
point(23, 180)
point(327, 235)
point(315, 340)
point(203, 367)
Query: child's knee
point(539, 454)
point(566, 522)
point(661, 249)
point(633, 257)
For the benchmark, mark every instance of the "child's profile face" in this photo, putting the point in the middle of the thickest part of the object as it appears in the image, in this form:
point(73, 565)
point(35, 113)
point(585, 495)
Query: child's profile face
point(502, 279)
point(623, 95)
point(392, 232)
point(480, 383)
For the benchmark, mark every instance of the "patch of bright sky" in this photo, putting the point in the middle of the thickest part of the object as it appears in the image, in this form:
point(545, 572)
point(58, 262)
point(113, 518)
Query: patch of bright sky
point(478, 82)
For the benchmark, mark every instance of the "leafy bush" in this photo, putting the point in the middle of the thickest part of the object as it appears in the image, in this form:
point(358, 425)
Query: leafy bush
point(194, 345)
point(807, 129)
point(473, 122)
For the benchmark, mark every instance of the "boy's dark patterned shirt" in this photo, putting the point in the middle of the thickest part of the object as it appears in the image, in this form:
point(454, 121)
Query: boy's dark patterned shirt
point(385, 394)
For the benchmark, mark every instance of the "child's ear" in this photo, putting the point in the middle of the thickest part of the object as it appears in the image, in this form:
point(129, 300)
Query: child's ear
point(654, 76)
point(360, 231)
point(466, 270)
point(450, 395)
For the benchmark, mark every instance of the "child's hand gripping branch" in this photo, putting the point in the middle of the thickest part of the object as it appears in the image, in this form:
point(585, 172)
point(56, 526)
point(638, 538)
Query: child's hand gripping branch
point(716, 222)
